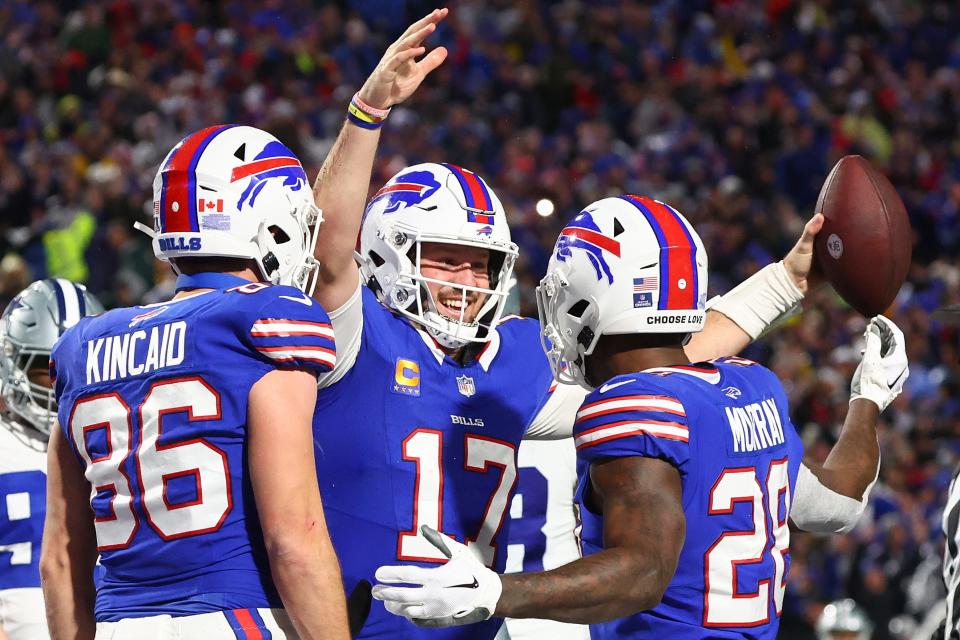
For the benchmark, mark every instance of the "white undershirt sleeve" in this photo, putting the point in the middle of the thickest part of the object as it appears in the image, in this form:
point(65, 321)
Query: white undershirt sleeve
point(347, 324)
point(555, 419)
point(819, 509)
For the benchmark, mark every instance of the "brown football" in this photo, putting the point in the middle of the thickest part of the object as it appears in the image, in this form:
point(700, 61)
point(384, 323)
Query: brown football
point(865, 245)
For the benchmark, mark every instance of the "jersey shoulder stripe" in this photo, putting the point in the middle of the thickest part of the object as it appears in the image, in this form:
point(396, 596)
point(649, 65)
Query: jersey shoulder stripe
point(320, 355)
point(631, 403)
point(269, 327)
point(629, 428)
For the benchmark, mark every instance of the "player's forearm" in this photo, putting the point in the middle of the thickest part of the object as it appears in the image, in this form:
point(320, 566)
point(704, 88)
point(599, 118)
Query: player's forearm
point(852, 463)
point(68, 593)
point(307, 576)
point(340, 191)
point(721, 336)
point(604, 586)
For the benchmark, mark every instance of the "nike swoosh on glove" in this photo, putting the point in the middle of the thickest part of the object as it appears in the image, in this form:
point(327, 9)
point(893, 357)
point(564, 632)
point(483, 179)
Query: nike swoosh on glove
point(462, 591)
point(883, 369)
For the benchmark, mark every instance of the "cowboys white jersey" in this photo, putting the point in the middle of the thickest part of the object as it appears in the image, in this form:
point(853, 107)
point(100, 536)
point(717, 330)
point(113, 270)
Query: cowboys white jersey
point(23, 498)
point(951, 560)
point(543, 531)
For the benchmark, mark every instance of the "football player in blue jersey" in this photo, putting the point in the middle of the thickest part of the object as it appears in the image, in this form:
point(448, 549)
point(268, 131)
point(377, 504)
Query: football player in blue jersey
point(29, 327)
point(434, 388)
point(688, 472)
point(185, 450)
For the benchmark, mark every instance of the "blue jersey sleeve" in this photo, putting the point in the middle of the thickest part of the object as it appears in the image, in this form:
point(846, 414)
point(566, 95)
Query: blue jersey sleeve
point(629, 416)
point(64, 353)
point(286, 328)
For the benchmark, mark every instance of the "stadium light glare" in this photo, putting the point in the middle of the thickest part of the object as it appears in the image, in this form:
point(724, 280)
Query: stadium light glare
point(545, 207)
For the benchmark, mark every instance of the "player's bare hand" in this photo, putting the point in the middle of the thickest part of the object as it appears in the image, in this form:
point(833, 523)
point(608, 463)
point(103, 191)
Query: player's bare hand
point(799, 262)
point(399, 73)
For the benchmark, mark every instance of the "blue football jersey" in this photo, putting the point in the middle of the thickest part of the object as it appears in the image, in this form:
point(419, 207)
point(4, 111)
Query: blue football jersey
point(409, 437)
point(725, 427)
point(154, 402)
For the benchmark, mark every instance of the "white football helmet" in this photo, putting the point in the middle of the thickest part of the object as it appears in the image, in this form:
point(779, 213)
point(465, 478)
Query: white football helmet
point(439, 203)
point(843, 616)
point(628, 264)
point(30, 325)
point(237, 192)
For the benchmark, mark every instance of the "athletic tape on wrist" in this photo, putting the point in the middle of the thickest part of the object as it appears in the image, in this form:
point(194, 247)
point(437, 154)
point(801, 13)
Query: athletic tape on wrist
point(760, 300)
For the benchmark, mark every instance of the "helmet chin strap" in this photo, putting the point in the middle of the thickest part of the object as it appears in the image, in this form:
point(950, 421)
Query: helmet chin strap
point(447, 339)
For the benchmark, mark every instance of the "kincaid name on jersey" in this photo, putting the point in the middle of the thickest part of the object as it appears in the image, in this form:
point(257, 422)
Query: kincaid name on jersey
point(135, 353)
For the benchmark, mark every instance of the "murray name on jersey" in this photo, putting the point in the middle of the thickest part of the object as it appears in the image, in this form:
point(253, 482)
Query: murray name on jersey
point(755, 426)
point(136, 352)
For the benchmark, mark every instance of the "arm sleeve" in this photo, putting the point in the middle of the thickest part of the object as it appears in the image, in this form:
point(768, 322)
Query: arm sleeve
point(632, 419)
point(555, 419)
point(347, 321)
point(287, 332)
point(819, 509)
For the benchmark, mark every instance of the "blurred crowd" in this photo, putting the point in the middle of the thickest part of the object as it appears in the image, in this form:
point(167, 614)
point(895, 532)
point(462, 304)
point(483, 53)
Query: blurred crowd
point(731, 110)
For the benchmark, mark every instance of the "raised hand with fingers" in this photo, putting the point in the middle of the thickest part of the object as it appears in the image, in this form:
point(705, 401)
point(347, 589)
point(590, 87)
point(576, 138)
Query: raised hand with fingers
point(799, 261)
point(399, 73)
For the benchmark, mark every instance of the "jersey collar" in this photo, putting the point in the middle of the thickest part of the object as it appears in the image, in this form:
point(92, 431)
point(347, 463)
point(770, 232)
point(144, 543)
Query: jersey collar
point(703, 371)
point(484, 357)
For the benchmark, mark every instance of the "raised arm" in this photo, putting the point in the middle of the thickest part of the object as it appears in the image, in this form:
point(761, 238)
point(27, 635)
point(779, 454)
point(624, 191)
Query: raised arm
point(69, 547)
point(284, 477)
point(750, 308)
point(343, 181)
point(831, 496)
point(643, 528)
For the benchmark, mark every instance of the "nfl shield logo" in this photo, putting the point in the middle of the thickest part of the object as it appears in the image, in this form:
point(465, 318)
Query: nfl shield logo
point(466, 386)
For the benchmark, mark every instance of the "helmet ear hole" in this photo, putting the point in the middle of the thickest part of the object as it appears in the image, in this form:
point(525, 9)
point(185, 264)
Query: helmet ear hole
point(577, 308)
point(377, 259)
point(279, 235)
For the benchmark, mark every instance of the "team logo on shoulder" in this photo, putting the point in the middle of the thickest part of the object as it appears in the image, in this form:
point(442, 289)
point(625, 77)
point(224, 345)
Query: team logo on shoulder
point(584, 234)
point(406, 378)
point(407, 190)
point(466, 386)
point(732, 392)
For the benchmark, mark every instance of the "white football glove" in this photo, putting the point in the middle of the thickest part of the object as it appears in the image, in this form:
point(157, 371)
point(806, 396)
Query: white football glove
point(462, 591)
point(883, 369)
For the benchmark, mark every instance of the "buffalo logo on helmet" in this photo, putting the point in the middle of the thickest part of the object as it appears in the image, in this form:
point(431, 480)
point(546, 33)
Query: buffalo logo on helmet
point(407, 190)
point(275, 162)
point(584, 234)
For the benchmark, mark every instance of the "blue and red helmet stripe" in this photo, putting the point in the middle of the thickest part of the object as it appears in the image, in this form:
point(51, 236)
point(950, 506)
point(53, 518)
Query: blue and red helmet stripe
point(679, 284)
point(474, 189)
point(178, 197)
